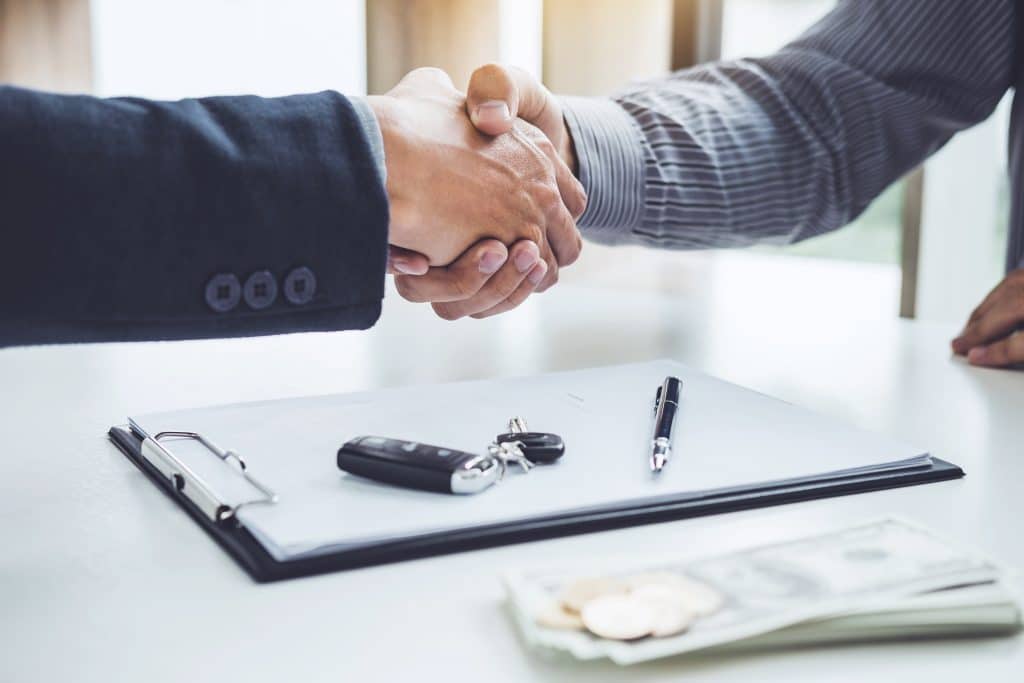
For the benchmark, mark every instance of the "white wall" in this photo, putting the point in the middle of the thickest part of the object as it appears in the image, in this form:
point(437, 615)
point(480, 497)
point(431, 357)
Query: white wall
point(962, 233)
point(160, 49)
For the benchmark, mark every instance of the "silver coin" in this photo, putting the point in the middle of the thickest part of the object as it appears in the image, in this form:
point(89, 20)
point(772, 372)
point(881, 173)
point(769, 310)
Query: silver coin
point(673, 613)
point(698, 597)
point(554, 615)
point(619, 617)
point(578, 593)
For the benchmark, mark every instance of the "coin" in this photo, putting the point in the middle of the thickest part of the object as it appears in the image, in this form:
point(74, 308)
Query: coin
point(619, 617)
point(578, 593)
point(696, 596)
point(554, 615)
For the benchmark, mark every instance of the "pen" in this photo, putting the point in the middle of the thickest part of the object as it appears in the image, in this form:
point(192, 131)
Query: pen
point(666, 403)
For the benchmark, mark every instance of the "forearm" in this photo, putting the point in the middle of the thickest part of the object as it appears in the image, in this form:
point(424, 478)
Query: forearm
point(796, 144)
point(119, 214)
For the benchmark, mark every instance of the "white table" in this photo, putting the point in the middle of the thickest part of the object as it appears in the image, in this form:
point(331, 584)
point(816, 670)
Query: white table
point(102, 578)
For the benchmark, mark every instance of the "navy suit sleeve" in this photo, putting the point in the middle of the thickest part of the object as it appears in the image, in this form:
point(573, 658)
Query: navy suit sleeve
point(128, 219)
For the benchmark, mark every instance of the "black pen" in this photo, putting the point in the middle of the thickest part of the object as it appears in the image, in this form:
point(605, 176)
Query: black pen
point(666, 403)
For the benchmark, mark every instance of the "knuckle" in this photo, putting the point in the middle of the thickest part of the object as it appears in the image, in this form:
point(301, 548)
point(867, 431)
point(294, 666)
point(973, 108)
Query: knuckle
point(1016, 345)
point(579, 202)
point(508, 289)
point(533, 232)
point(549, 280)
point(516, 299)
point(546, 196)
point(447, 312)
point(461, 288)
point(543, 143)
point(572, 252)
point(406, 289)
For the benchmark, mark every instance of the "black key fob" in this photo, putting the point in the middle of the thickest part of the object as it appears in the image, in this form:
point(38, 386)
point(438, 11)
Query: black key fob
point(538, 447)
point(419, 466)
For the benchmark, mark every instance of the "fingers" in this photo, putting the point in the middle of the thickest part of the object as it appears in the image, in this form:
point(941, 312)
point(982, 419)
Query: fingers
point(571, 190)
point(515, 281)
point(999, 315)
point(405, 262)
point(985, 306)
point(550, 275)
point(562, 234)
point(1001, 354)
point(998, 322)
point(460, 280)
point(522, 292)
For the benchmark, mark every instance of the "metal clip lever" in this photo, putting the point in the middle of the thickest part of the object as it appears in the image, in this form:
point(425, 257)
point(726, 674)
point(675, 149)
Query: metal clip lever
point(191, 485)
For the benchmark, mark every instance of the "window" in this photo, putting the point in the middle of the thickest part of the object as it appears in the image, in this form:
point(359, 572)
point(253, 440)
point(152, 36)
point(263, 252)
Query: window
point(753, 28)
point(220, 47)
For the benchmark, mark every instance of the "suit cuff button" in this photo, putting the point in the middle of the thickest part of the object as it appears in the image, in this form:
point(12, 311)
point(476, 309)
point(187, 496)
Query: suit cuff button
point(260, 290)
point(300, 286)
point(223, 292)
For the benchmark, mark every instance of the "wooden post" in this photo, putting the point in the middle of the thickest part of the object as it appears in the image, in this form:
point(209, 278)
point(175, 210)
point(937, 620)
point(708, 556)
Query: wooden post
point(46, 44)
point(592, 47)
point(910, 242)
point(454, 35)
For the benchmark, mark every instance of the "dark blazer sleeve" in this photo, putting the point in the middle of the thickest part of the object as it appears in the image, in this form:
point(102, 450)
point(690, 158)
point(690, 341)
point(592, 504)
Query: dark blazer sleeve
point(128, 219)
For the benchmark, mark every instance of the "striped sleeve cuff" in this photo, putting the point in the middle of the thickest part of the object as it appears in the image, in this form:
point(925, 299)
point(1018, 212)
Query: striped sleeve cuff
point(609, 154)
point(368, 121)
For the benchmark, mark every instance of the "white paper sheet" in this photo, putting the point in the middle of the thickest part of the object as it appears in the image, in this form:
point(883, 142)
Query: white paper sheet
point(725, 436)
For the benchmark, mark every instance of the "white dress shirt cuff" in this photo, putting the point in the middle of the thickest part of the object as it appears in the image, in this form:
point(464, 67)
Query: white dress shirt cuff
point(368, 121)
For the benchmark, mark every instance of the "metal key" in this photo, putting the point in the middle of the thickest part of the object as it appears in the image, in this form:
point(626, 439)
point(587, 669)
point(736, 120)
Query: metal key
point(537, 447)
point(510, 452)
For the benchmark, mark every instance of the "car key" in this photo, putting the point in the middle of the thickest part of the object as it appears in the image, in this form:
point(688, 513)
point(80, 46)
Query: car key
point(538, 447)
point(420, 466)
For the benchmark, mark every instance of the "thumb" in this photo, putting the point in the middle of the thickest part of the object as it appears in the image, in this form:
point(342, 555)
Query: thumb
point(492, 99)
point(493, 85)
point(406, 262)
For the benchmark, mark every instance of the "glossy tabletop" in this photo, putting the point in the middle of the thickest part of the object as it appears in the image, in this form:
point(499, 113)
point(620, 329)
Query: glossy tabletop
point(103, 578)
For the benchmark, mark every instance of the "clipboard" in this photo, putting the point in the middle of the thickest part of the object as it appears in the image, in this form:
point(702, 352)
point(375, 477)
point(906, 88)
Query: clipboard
point(218, 520)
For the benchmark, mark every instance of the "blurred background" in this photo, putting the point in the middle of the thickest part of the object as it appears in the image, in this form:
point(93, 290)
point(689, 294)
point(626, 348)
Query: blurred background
point(930, 247)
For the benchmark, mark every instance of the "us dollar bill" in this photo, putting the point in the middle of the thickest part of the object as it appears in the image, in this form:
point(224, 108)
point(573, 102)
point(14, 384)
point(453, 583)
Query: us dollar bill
point(764, 589)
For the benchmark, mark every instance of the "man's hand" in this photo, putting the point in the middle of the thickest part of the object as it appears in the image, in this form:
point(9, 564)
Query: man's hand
point(450, 186)
point(497, 96)
point(994, 335)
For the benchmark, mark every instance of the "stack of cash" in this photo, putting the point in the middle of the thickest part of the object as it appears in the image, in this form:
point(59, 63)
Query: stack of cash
point(881, 580)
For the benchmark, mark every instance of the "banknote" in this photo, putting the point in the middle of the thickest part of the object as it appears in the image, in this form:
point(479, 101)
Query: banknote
point(763, 589)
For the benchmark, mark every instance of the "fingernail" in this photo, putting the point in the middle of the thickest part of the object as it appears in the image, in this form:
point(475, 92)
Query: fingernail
point(526, 259)
point(491, 261)
point(977, 354)
point(404, 267)
point(493, 111)
point(538, 273)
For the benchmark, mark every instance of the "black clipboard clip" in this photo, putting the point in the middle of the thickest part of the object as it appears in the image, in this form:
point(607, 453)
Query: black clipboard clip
point(189, 484)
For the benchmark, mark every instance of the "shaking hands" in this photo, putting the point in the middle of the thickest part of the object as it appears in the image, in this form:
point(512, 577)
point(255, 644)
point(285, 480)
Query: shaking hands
point(483, 199)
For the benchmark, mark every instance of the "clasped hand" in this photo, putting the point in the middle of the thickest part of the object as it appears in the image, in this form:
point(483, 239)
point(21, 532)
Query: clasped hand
point(483, 205)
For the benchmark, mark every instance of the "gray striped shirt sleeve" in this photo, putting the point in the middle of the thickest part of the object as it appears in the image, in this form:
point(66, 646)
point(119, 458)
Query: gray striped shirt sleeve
point(793, 145)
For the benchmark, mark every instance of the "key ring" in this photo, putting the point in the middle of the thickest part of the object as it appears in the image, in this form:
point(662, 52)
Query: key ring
point(510, 451)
